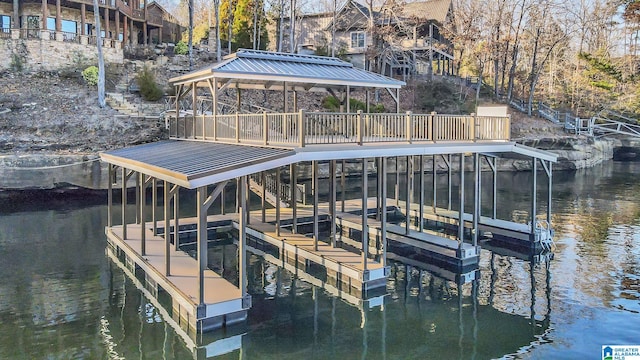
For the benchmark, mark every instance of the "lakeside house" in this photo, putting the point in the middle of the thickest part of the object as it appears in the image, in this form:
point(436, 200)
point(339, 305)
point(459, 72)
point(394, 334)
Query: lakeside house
point(410, 36)
point(49, 34)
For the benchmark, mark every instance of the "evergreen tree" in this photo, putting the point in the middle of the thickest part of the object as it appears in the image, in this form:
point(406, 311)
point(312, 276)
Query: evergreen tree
point(248, 18)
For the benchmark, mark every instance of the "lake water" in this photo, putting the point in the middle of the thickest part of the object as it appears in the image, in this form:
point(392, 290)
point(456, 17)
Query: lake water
point(62, 298)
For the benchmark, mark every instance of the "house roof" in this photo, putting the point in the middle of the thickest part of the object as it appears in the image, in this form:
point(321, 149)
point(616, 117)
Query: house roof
point(255, 69)
point(436, 10)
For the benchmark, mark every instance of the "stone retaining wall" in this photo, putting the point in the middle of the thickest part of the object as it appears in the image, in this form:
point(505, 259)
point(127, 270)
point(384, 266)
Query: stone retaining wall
point(44, 54)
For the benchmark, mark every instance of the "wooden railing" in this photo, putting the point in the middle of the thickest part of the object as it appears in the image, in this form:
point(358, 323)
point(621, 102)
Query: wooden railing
point(314, 128)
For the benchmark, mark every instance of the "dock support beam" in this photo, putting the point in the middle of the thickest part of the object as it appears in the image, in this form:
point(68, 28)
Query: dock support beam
point(263, 179)
point(343, 183)
point(365, 228)
point(548, 169)
point(202, 241)
point(397, 185)
point(449, 179)
point(332, 199)
point(125, 177)
point(476, 198)
point(435, 182)
point(109, 196)
point(421, 210)
point(242, 241)
point(315, 188)
point(143, 222)
point(175, 193)
point(278, 197)
point(408, 199)
point(167, 230)
point(154, 206)
point(383, 205)
point(294, 202)
point(534, 187)
point(461, 210)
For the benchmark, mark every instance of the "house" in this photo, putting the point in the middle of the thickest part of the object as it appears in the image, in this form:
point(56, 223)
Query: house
point(46, 34)
point(410, 36)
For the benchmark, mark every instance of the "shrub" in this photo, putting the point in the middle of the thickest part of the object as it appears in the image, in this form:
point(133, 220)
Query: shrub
point(331, 103)
point(17, 64)
point(181, 48)
point(149, 89)
point(90, 75)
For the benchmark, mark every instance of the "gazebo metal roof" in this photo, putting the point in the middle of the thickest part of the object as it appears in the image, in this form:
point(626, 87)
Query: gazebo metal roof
point(255, 69)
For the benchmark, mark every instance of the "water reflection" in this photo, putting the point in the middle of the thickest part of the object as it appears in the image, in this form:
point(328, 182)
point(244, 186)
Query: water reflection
point(61, 297)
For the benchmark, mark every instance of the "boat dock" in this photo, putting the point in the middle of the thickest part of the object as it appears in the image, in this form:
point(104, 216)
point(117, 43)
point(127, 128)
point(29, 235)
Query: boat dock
point(210, 154)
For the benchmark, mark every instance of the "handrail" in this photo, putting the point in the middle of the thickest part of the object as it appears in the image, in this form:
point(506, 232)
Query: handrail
point(315, 128)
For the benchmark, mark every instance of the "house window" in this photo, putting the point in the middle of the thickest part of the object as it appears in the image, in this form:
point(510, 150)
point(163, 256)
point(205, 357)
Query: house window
point(357, 39)
point(5, 22)
point(67, 26)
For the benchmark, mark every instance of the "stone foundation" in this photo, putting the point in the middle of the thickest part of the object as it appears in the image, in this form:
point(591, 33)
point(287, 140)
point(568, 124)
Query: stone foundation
point(44, 54)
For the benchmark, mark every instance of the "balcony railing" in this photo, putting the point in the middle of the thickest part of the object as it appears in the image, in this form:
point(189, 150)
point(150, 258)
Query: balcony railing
point(5, 33)
point(313, 128)
point(30, 33)
point(70, 37)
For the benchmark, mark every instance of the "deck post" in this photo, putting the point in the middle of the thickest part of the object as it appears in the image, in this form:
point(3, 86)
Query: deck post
point(143, 223)
point(237, 128)
point(194, 106)
point(408, 126)
point(110, 196)
point(265, 128)
point(167, 230)
point(278, 197)
point(461, 210)
point(421, 210)
point(348, 95)
point(343, 183)
point(301, 128)
point(223, 196)
point(215, 109)
point(294, 202)
point(494, 192)
point(202, 239)
point(534, 186)
point(378, 162)
point(476, 198)
point(315, 189)
point(366, 100)
point(383, 205)
point(285, 97)
point(247, 189)
point(408, 198)
point(242, 241)
point(332, 199)
point(124, 203)
point(365, 228)
point(263, 179)
point(360, 127)
point(176, 216)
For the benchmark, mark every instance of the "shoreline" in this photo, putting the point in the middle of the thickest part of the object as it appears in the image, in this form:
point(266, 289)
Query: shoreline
point(69, 172)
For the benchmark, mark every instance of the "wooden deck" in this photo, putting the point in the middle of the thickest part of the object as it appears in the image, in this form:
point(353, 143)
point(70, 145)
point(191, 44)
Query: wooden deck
point(224, 303)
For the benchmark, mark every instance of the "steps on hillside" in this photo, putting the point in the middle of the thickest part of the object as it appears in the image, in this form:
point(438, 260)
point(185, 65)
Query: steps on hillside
point(122, 104)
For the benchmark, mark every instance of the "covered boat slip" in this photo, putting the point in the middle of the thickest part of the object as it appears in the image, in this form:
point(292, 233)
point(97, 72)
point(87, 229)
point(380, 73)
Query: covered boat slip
point(208, 151)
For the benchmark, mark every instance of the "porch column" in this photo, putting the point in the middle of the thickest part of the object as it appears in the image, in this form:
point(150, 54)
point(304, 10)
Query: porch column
point(45, 15)
point(15, 20)
point(83, 19)
point(160, 35)
point(348, 96)
point(58, 17)
point(365, 228)
point(106, 24)
point(285, 97)
point(461, 210)
point(175, 193)
point(435, 182)
point(295, 100)
point(117, 25)
point(263, 179)
point(145, 34)
point(154, 201)
point(449, 180)
point(133, 41)
point(125, 32)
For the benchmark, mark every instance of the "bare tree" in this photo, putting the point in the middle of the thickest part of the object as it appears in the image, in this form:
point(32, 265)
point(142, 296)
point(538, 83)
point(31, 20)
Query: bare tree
point(191, 34)
point(102, 102)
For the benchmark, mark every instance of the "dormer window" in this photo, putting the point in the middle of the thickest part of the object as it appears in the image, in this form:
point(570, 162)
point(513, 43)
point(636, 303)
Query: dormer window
point(357, 39)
